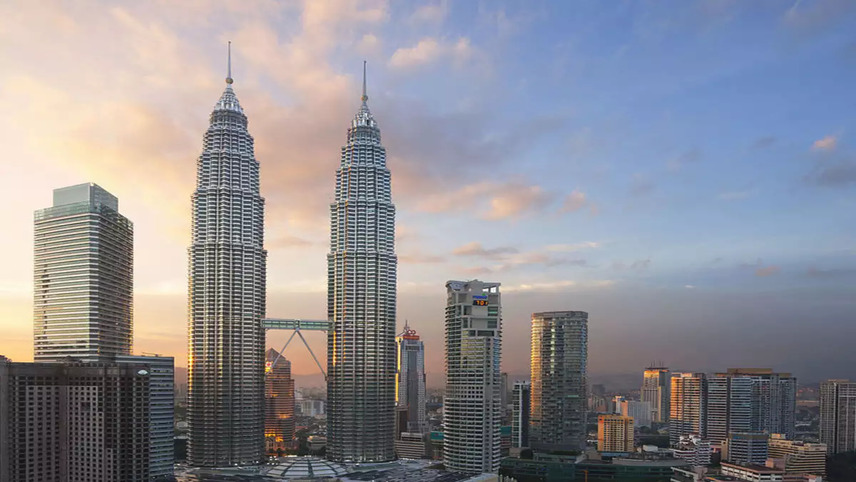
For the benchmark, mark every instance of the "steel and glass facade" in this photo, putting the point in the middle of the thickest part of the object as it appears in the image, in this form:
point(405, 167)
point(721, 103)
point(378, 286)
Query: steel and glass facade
point(472, 412)
point(838, 415)
point(279, 402)
point(559, 354)
point(361, 301)
point(655, 391)
point(227, 268)
point(410, 379)
point(83, 276)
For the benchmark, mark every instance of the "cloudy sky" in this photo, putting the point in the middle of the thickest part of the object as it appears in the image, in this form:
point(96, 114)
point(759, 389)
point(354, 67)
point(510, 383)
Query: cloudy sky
point(683, 171)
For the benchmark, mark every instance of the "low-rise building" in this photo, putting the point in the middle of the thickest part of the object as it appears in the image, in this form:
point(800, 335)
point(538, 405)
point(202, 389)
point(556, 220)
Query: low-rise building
point(615, 433)
point(798, 457)
point(693, 449)
point(751, 473)
point(745, 448)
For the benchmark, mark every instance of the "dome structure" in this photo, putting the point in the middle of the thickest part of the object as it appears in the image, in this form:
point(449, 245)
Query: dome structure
point(305, 468)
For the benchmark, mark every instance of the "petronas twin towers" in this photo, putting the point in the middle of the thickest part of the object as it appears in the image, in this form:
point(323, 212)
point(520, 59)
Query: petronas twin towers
point(227, 269)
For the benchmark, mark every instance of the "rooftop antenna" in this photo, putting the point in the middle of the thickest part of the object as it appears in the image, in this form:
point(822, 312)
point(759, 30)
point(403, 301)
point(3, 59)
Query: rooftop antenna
point(365, 97)
point(229, 64)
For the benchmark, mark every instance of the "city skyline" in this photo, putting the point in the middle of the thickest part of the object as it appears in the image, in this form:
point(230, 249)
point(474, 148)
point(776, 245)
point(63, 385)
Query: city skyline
point(665, 167)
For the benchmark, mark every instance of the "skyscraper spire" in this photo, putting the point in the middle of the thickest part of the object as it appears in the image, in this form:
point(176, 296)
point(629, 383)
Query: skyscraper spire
point(365, 97)
point(229, 64)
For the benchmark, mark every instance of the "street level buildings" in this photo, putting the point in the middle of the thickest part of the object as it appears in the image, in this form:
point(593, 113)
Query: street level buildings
point(361, 300)
point(559, 354)
point(838, 415)
point(410, 379)
point(615, 433)
point(520, 397)
point(656, 385)
point(745, 448)
point(80, 421)
point(279, 402)
point(83, 276)
point(227, 269)
point(472, 407)
point(688, 406)
point(797, 457)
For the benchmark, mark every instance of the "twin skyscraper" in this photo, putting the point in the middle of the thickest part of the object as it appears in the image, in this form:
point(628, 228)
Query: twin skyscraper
point(227, 275)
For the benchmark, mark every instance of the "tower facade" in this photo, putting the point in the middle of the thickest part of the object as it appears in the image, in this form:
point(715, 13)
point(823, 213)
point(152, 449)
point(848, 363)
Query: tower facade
point(471, 409)
point(838, 415)
point(227, 268)
point(361, 300)
point(83, 276)
point(688, 406)
point(410, 378)
point(655, 391)
point(615, 433)
point(558, 372)
point(520, 414)
point(279, 402)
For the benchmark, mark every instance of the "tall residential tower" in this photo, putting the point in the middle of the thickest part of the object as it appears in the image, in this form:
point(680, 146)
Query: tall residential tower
point(226, 340)
point(838, 415)
point(83, 276)
point(655, 391)
point(559, 353)
point(410, 378)
point(471, 409)
point(688, 406)
point(361, 300)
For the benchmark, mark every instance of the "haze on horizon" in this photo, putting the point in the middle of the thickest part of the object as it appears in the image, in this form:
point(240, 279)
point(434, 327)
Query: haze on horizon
point(683, 171)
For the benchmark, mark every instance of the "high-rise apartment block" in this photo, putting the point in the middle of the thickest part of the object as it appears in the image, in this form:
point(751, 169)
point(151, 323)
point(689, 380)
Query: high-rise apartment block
point(750, 400)
point(520, 414)
point(656, 384)
point(640, 411)
point(471, 410)
point(80, 421)
point(798, 458)
point(279, 402)
point(559, 352)
point(410, 379)
point(745, 448)
point(688, 405)
point(226, 347)
point(838, 415)
point(83, 276)
point(361, 300)
point(615, 433)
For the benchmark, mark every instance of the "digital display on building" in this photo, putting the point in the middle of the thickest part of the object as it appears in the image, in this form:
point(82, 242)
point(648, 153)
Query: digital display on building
point(479, 302)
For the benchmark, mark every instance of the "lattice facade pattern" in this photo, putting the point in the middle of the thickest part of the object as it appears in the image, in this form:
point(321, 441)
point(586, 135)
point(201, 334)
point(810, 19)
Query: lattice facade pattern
point(226, 341)
point(361, 301)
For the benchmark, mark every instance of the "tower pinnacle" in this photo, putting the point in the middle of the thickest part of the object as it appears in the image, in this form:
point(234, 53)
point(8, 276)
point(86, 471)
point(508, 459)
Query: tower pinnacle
point(365, 97)
point(229, 64)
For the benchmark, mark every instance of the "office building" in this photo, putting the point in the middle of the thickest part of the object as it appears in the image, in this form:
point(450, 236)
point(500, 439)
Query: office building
point(410, 379)
point(279, 402)
point(688, 405)
point(797, 457)
point(750, 400)
point(693, 449)
point(838, 416)
point(656, 384)
point(520, 414)
point(312, 408)
point(76, 421)
point(557, 419)
point(748, 473)
point(471, 410)
point(640, 411)
point(615, 433)
point(161, 410)
point(361, 300)
point(745, 448)
point(227, 269)
point(83, 276)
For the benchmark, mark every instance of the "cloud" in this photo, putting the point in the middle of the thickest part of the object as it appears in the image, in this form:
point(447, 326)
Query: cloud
point(835, 273)
point(767, 271)
point(689, 287)
point(287, 241)
point(637, 265)
point(828, 143)
point(564, 248)
point(574, 202)
point(836, 173)
point(516, 201)
point(476, 249)
point(420, 258)
point(431, 13)
point(641, 186)
point(677, 163)
point(733, 195)
point(763, 143)
point(564, 285)
point(430, 50)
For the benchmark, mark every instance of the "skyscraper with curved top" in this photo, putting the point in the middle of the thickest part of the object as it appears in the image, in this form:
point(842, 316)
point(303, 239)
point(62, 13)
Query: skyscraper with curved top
point(227, 266)
point(361, 297)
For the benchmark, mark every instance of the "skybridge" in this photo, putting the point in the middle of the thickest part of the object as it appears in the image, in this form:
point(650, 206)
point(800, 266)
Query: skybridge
point(296, 326)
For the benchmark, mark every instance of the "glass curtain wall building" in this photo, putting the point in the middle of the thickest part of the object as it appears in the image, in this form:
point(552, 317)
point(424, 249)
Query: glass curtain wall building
point(226, 340)
point(83, 276)
point(410, 378)
point(559, 352)
point(361, 300)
